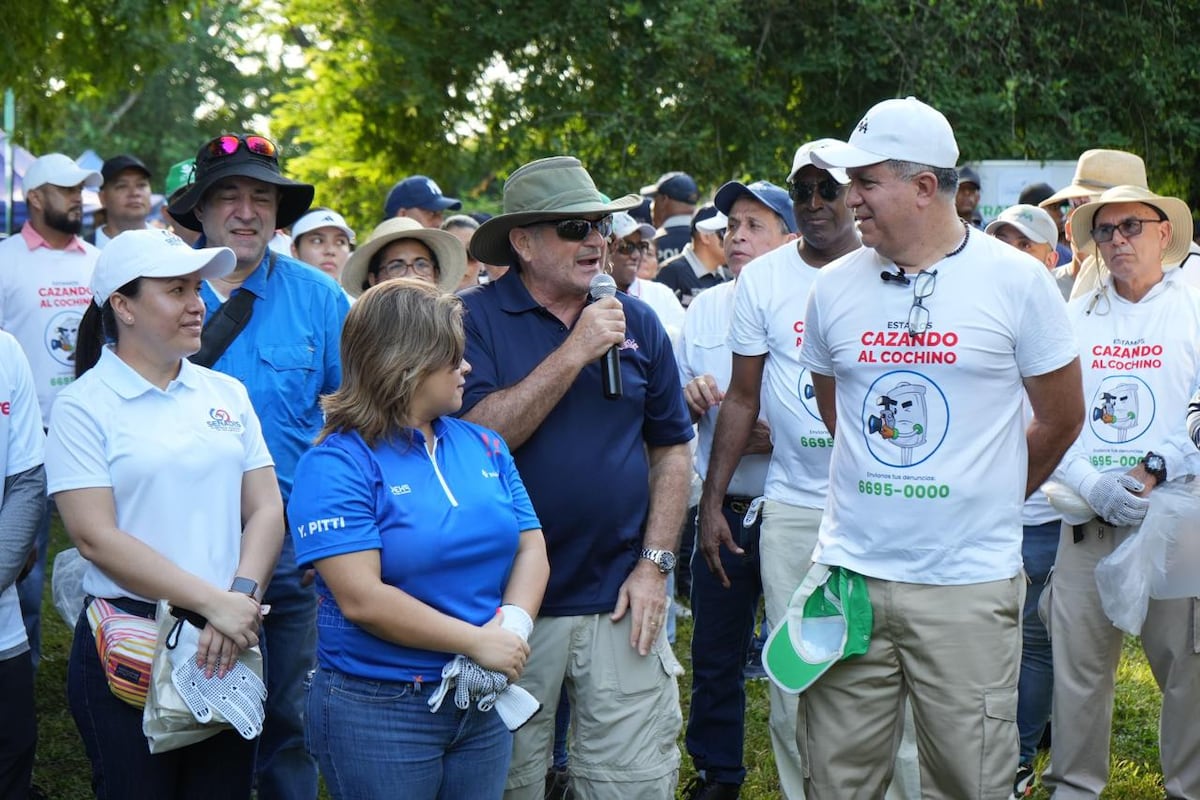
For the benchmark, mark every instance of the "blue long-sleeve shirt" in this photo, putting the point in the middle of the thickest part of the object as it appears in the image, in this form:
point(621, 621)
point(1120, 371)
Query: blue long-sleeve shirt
point(287, 355)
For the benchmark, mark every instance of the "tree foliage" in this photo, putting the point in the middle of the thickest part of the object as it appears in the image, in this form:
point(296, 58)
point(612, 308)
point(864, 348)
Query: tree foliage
point(722, 88)
point(467, 91)
point(149, 77)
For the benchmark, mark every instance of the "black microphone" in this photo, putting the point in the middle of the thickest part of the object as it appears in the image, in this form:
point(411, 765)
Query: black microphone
point(610, 363)
point(894, 277)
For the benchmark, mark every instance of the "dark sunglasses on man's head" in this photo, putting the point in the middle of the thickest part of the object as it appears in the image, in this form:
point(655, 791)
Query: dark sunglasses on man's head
point(228, 144)
point(802, 192)
point(576, 230)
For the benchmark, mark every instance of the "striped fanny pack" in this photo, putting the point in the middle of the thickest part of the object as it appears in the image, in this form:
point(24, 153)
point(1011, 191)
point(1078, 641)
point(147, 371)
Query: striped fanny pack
point(125, 644)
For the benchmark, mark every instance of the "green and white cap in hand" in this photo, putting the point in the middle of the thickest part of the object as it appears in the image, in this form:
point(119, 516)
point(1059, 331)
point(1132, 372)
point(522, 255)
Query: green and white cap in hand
point(828, 619)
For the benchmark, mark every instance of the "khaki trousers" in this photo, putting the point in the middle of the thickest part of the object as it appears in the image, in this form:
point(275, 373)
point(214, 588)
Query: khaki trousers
point(1087, 649)
point(625, 715)
point(953, 652)
point(788, 537)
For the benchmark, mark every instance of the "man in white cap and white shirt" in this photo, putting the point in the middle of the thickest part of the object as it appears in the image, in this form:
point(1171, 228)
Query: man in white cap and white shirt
point(44, 274)
point(1032, 231)
point(922, 347)
point(1137, 336)
point(764, 335)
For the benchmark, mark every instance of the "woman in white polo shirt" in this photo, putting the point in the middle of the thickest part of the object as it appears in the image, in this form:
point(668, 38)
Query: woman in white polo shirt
point(163, 481)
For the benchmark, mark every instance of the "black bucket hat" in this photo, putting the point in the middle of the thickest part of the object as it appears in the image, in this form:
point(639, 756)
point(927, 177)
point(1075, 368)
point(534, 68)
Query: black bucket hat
point(245, 156)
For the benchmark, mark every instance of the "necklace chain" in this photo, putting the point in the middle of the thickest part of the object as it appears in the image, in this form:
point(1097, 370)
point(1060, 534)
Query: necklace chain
point(963, 244)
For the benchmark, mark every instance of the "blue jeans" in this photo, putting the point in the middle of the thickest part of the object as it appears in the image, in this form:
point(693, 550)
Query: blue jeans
point(111, 729)
point(1035, 689)
point(723, 623)
point(285, 770)
point(377, 739)
point(29, 591)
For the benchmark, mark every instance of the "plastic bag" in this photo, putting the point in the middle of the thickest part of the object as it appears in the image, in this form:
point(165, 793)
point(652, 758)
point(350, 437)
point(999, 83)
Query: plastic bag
point(1161, 560)
point(1176, 558)
point(167, 721)
point(66, 585)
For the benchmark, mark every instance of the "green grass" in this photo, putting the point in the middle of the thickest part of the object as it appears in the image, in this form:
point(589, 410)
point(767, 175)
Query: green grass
point(62, 767)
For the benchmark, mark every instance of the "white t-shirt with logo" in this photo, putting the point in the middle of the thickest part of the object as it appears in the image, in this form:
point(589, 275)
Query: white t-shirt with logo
point(768, 319)
point(1140, 366)
point(703, 349)
point(21, 448)
point(930, 461)
point(174, 460)
point(43, 294)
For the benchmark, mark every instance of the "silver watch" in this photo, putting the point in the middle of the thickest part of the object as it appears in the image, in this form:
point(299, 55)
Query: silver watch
point(663, 559)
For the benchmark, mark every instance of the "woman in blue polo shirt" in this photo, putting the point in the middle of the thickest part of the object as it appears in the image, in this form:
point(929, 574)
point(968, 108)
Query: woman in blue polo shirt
point(426, 547)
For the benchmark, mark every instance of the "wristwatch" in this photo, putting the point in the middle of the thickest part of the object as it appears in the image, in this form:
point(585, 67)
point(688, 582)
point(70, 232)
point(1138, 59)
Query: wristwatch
point(663, 559)
point(1156, 465)
point(245, 586)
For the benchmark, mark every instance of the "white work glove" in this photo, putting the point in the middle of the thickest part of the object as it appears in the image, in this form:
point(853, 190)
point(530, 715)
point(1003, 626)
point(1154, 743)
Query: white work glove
point(238, 697)
point(1112, 496)
point(489, 688)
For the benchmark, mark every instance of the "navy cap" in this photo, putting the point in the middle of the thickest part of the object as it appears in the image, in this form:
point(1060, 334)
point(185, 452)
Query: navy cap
point(764, 192)
point(675, 185)
point(1035, 193)
point(418, 191)
point(118, 164)
point(968, 175)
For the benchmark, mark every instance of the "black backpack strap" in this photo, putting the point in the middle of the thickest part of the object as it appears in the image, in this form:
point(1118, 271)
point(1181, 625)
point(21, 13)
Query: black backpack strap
point(225, 324)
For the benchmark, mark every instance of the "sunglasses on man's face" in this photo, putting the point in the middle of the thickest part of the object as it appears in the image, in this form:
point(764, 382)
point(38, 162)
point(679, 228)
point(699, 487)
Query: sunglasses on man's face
point(628, 248)
point(576, 230)
point(229, 144)
point(802, 191)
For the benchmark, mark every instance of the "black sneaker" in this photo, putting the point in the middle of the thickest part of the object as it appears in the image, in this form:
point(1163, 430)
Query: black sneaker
point(558, 785)
point(753, 669)
point(1023, 785)
point(700, 789)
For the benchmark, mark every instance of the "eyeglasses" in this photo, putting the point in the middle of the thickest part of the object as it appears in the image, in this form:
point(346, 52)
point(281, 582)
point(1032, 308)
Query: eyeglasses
point(918, 315)
point(627, 248)
point(576, 230)
point(802, 191)
point(1129, 228)
point(228, 144)
point(399, 268)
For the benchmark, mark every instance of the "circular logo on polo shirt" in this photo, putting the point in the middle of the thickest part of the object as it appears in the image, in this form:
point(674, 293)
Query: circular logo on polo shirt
point(905, 418)
point(62, 336)
point(221, 420)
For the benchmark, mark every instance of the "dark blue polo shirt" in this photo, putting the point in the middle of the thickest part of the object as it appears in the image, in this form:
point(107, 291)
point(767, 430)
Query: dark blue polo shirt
point(585, 467)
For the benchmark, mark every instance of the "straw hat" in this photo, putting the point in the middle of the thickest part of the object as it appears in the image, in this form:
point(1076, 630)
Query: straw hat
point(448, 250)
point(1175, 210)
point(1098, 171)
point(544, 190)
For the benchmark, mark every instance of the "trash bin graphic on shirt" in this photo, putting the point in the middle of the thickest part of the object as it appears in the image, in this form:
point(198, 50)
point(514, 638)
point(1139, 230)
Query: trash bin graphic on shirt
point(61, 336)
point(1121, 409)
point(906, 418)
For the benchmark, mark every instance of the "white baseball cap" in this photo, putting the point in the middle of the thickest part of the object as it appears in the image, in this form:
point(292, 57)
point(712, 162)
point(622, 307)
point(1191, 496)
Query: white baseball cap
point(625, 225)
point(154, 253)
point(59, 170)
point(803, 158)
point(895, 130)
point(321, 218)
point(1030, 220)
